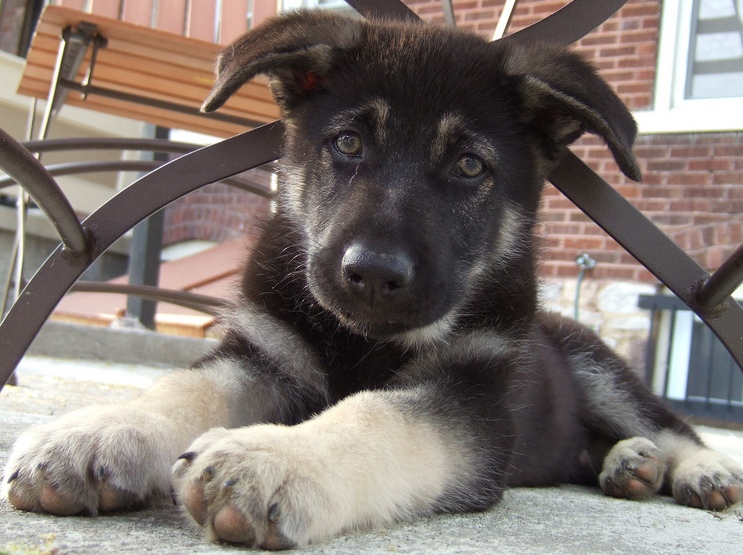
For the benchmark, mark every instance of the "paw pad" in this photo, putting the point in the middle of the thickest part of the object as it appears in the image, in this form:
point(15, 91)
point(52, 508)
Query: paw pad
point(232, 526)
point(196, 503)
point(633, 469)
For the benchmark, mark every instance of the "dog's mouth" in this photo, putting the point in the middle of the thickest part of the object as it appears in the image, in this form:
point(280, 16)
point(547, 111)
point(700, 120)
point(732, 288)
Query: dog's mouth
point(385, 321)
point(378, 330)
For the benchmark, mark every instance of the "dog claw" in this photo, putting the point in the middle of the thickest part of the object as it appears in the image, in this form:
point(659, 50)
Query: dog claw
point(189, 456)
point(207, 474)
point(13, 476)
point(273, 512)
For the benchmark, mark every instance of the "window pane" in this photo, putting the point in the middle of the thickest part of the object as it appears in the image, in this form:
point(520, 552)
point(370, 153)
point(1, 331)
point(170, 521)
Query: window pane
point(716, 53)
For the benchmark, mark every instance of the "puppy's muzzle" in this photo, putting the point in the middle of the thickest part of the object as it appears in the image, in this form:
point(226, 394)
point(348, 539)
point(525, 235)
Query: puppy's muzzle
point(376, 276)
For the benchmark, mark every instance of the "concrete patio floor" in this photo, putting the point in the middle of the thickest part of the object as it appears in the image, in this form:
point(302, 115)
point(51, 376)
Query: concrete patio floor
point(564, 520)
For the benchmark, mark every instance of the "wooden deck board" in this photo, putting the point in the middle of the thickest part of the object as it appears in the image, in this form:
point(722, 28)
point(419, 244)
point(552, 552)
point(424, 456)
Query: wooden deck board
point(212, 272)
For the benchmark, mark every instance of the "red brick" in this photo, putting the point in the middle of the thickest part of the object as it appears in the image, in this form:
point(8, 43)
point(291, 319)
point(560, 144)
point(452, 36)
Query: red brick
point(584, 243)
point(640, 9)
point(733, 178)
point(558, 228)
point(598, 39)
point(666, 165)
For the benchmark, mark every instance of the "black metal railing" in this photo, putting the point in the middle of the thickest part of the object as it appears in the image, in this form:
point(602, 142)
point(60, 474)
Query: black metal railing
point(687, 365)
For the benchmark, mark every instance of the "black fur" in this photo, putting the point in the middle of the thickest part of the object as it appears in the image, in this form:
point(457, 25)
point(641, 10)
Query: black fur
point(518, 109)
point(389, 310)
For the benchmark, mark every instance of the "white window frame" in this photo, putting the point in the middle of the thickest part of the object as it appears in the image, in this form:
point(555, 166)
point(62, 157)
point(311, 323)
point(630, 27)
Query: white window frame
point(671, 112)
point(338, 5)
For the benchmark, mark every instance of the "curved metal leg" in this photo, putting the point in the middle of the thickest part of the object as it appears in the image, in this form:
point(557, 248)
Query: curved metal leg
point(132, 205)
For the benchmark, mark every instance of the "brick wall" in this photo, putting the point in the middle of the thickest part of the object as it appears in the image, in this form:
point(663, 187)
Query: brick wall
point(12, 13)
point(692, 189)
point(623, 48)
point(217, 212)
point(693, 184)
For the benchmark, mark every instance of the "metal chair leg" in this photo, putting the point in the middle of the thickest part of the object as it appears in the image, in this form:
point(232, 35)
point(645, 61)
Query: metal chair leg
point(129, 207)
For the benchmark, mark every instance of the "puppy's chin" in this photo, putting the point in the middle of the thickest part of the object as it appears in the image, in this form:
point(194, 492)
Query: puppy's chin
point(380, 330)
point(411, 332)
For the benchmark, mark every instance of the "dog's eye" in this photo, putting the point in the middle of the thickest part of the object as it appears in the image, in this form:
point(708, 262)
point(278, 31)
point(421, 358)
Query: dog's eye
point(348, 143)
point(469, 166)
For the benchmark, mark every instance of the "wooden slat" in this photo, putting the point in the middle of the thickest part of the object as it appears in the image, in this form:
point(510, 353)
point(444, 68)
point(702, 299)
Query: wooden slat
point(200, 269)
point(223, 287)
point(147, 62)
point(124, 79)
point(165, 118)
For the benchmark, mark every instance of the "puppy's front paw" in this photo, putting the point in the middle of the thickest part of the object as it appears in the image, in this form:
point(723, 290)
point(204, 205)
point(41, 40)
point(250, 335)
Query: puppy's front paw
point(633, 469)
point(708, 479)
point(90, 460)
point(253, 486)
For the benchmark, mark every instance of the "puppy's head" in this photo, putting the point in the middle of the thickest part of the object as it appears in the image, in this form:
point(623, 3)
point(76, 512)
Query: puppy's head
point(415, 156)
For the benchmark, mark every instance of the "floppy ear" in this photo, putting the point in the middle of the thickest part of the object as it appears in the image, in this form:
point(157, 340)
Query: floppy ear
point(563, 97)
point(295, 50)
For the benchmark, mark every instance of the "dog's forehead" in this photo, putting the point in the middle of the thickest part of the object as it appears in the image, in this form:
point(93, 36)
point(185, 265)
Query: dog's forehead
point(374, 111)
point(414, 73)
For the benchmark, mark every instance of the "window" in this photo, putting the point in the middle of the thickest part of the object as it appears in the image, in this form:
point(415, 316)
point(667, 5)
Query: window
point(699, 82)
point(335, 5)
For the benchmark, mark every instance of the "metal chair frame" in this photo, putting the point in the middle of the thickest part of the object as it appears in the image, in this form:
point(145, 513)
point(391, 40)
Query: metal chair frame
point(709, 296)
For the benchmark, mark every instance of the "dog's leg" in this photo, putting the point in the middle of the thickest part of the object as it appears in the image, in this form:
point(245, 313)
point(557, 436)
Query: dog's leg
point(652, 449)
point(373, 458)
point(116, 456)
point(119, 456)
point(440, 440)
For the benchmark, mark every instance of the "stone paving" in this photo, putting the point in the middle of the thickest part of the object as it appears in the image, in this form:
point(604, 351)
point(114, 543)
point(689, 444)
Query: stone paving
point(563, 520)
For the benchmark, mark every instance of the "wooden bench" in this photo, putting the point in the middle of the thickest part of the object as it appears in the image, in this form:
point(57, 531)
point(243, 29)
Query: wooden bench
point(138, 72)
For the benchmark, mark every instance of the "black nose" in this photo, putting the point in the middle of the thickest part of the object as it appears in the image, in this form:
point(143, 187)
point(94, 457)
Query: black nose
point(376, 275)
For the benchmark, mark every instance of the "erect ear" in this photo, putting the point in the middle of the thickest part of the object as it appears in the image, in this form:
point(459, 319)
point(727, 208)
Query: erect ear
point(563, 97)
point(296, 50)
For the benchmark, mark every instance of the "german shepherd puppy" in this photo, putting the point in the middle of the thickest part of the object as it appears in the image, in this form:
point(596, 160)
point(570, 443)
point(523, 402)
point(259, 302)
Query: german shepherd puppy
point(386, 357)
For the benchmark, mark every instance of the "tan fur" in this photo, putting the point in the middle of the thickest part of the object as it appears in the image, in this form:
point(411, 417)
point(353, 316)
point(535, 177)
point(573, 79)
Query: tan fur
point(135, 443)
point(634, 468)
point(699, 476)
point(363, 462)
